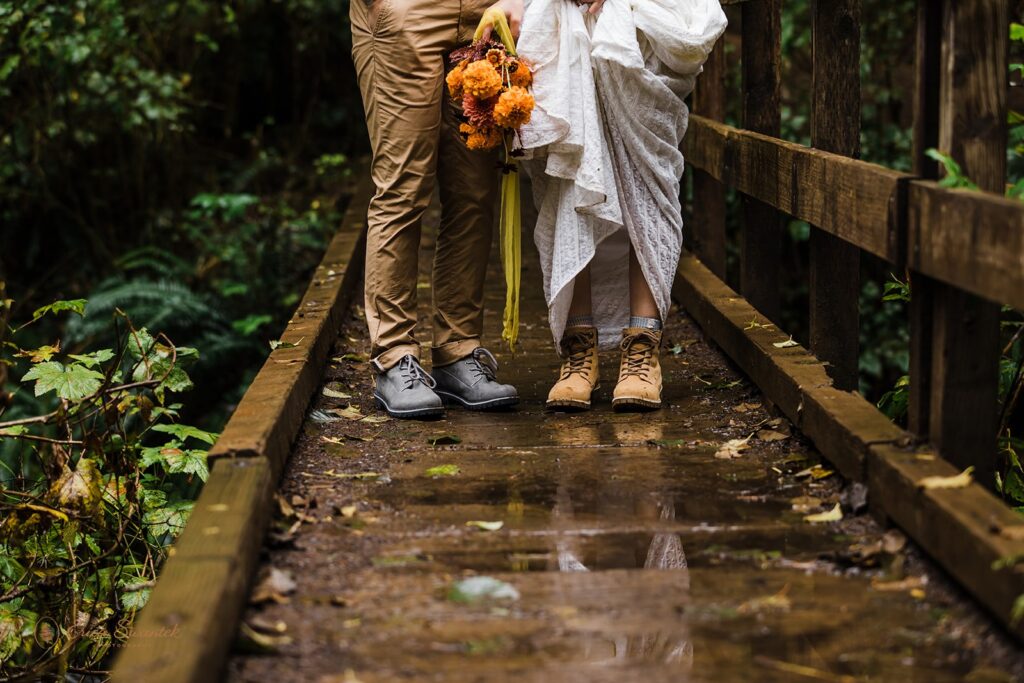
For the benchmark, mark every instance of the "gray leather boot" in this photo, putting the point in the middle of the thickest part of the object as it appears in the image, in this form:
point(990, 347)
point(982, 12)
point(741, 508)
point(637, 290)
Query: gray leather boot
point(407, 391)
point(471, 383)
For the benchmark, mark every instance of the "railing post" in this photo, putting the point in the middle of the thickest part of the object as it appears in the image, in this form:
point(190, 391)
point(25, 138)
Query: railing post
point(926, 135)
point(761, 248)
point(708, 221)
point(972, 129)
point(835, 127)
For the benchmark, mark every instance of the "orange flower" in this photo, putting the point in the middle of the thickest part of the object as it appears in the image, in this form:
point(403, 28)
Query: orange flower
point(513, 108)
point(454, 80)
point(480, 113)
point(519, 73)
point(481, 138)
point(480, 80)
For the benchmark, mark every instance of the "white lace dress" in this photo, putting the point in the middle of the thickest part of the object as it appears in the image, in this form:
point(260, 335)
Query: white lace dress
point(603, 144)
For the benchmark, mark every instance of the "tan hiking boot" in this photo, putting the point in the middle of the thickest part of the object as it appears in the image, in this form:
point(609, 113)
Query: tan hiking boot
point(579, 375)
point(640, 370)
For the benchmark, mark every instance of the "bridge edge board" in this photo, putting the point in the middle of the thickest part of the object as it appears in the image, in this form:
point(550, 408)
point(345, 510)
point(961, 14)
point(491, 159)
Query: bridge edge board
point(185, 632)
point(966, 531)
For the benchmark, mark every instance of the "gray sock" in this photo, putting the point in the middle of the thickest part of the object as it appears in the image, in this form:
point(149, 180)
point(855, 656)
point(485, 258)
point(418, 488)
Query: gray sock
point(580, 321)
point(645, 323)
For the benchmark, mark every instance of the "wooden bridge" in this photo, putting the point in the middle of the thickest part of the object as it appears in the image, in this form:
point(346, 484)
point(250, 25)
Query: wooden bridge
point(667, 545)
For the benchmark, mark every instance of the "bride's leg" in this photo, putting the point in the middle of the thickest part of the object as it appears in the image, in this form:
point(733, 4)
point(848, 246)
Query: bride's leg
point(578, 377)
point(639, 385)
point(641, 300)
point(580, 307)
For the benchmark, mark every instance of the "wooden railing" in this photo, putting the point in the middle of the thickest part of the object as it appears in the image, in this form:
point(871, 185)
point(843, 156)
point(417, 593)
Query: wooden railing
point(964, 250)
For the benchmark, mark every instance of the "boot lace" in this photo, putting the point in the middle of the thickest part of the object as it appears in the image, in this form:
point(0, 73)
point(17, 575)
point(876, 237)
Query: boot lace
point(412, 373)
point(483, 364)
point(637, 350)
point(576, 349)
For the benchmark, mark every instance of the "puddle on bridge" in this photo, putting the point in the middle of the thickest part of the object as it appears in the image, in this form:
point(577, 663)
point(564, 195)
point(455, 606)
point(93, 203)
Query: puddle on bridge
point(634, 553)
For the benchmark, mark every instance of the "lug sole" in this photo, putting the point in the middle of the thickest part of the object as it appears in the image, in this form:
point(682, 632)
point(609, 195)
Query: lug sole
point(634, 403)
point(417, 414)
point(571, 405)
point(493, 404)
point(567, 405)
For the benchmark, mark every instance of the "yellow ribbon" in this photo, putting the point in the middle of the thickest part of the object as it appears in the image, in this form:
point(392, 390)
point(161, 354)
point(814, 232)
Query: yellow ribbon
point(495, 16)
point(510, 222)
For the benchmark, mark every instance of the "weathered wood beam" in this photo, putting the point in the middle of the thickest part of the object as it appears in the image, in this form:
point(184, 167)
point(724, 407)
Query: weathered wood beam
point(854, 200)
point(927, 82)
point(707, 226)
point(761, 245)
point(271, 412)
point(835, 127)
point(970, 240)
point(186, 630)
point(972, 129)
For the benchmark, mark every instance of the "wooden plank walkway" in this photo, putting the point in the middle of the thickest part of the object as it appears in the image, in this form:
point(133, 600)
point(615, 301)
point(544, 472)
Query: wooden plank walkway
point(636, 551)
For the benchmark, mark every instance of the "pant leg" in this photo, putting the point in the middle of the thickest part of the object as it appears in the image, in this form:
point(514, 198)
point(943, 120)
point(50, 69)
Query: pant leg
point(468, 182)
point(398, 48)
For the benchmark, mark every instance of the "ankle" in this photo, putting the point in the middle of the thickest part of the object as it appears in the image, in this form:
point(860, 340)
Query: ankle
point(639, 321)
point(579, 321)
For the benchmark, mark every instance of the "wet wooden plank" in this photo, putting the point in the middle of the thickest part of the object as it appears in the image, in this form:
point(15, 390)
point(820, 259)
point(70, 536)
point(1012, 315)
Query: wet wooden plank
point(762, 232)
point(854, 200)
point(966, 530)
point(272, 409)
point(179, 635)
point(835, 127)
point(206, 579)
point(972, 128)
point(790, 376)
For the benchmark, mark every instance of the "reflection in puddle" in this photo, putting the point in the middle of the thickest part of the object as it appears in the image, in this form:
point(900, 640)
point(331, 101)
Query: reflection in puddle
point(664, 552)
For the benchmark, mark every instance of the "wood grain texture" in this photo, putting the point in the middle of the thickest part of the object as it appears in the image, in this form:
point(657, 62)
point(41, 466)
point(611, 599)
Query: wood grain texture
point(792, 378)
point(972, 128)
point(965, 530)
point(762, 233)
point(707, 227)
point(186, 630)
point(927, 81)
point(971, 240)
point(835, 127)
point(854, 200)
point(972, 120)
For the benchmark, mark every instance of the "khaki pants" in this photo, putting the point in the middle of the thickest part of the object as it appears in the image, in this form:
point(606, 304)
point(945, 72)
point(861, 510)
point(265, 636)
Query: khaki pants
point(399, 48)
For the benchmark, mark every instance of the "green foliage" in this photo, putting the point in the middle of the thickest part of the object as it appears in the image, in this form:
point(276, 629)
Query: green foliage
point(70, 382)
point(115, 112)
point(140, 169)
point(76, 306)
point(92, 491)
point(954, 175)
point(1010, 482)
point(895, 403)
point(896, 290)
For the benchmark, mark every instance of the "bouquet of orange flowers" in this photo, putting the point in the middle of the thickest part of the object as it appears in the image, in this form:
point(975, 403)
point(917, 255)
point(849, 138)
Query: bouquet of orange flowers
point(492, 83)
